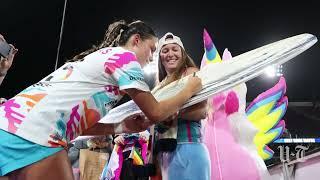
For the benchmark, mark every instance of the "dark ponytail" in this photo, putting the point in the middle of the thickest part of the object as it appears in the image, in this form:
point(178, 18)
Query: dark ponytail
point(118, 34)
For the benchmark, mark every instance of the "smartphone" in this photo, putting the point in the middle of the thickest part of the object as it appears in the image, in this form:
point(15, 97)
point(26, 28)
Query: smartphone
point(5, 49)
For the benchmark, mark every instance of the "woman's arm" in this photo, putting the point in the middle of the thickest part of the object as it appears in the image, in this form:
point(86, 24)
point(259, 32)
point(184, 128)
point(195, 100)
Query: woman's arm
point(196, 112)
point(99, 129)
point(132, 124)
point(159, 111)
point(154, 111)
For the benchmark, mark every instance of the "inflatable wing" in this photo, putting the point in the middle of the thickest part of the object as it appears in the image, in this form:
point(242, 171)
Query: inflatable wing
point(265, 113)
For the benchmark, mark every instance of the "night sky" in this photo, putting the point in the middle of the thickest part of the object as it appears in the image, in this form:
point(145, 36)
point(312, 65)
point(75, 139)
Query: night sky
point(34, 27)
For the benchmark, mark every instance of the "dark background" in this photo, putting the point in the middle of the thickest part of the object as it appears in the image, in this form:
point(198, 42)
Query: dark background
point(34, 27)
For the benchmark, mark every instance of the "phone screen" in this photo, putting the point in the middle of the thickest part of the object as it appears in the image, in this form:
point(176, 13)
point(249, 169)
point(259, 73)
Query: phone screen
point(4, 49)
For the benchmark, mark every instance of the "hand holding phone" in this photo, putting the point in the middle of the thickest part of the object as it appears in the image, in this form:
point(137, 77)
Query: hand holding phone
point(7, 53)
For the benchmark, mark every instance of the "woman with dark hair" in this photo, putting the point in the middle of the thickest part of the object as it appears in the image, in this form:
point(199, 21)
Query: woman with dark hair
point(37, 123)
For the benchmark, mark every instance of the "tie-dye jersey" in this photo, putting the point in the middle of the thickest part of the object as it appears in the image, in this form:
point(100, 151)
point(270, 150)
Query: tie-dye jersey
point(73, 98)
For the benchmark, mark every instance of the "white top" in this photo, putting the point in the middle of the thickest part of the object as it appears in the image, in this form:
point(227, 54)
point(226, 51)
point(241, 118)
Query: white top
point(73, 98)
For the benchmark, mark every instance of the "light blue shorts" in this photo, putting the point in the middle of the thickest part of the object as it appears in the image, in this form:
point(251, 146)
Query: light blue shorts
point(188, 161)
point(16, 152)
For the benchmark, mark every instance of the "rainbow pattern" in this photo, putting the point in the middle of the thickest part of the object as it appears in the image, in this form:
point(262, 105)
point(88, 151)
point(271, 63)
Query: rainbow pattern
point(211, 54)
point(112, 170)
point(265, 113)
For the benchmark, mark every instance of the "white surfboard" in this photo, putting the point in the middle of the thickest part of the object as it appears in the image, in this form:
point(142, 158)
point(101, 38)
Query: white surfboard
point(218, 77)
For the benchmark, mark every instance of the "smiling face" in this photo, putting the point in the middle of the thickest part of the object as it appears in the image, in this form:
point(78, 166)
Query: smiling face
point(171, 57)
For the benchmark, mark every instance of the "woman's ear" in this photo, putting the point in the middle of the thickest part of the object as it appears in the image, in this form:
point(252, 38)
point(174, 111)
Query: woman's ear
point(136, 39)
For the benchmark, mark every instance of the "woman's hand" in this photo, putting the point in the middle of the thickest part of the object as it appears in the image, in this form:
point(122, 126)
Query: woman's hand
point(132, 124)
point(119, 140)
point(144, 136)
point(194, 84)
point(5, 63)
